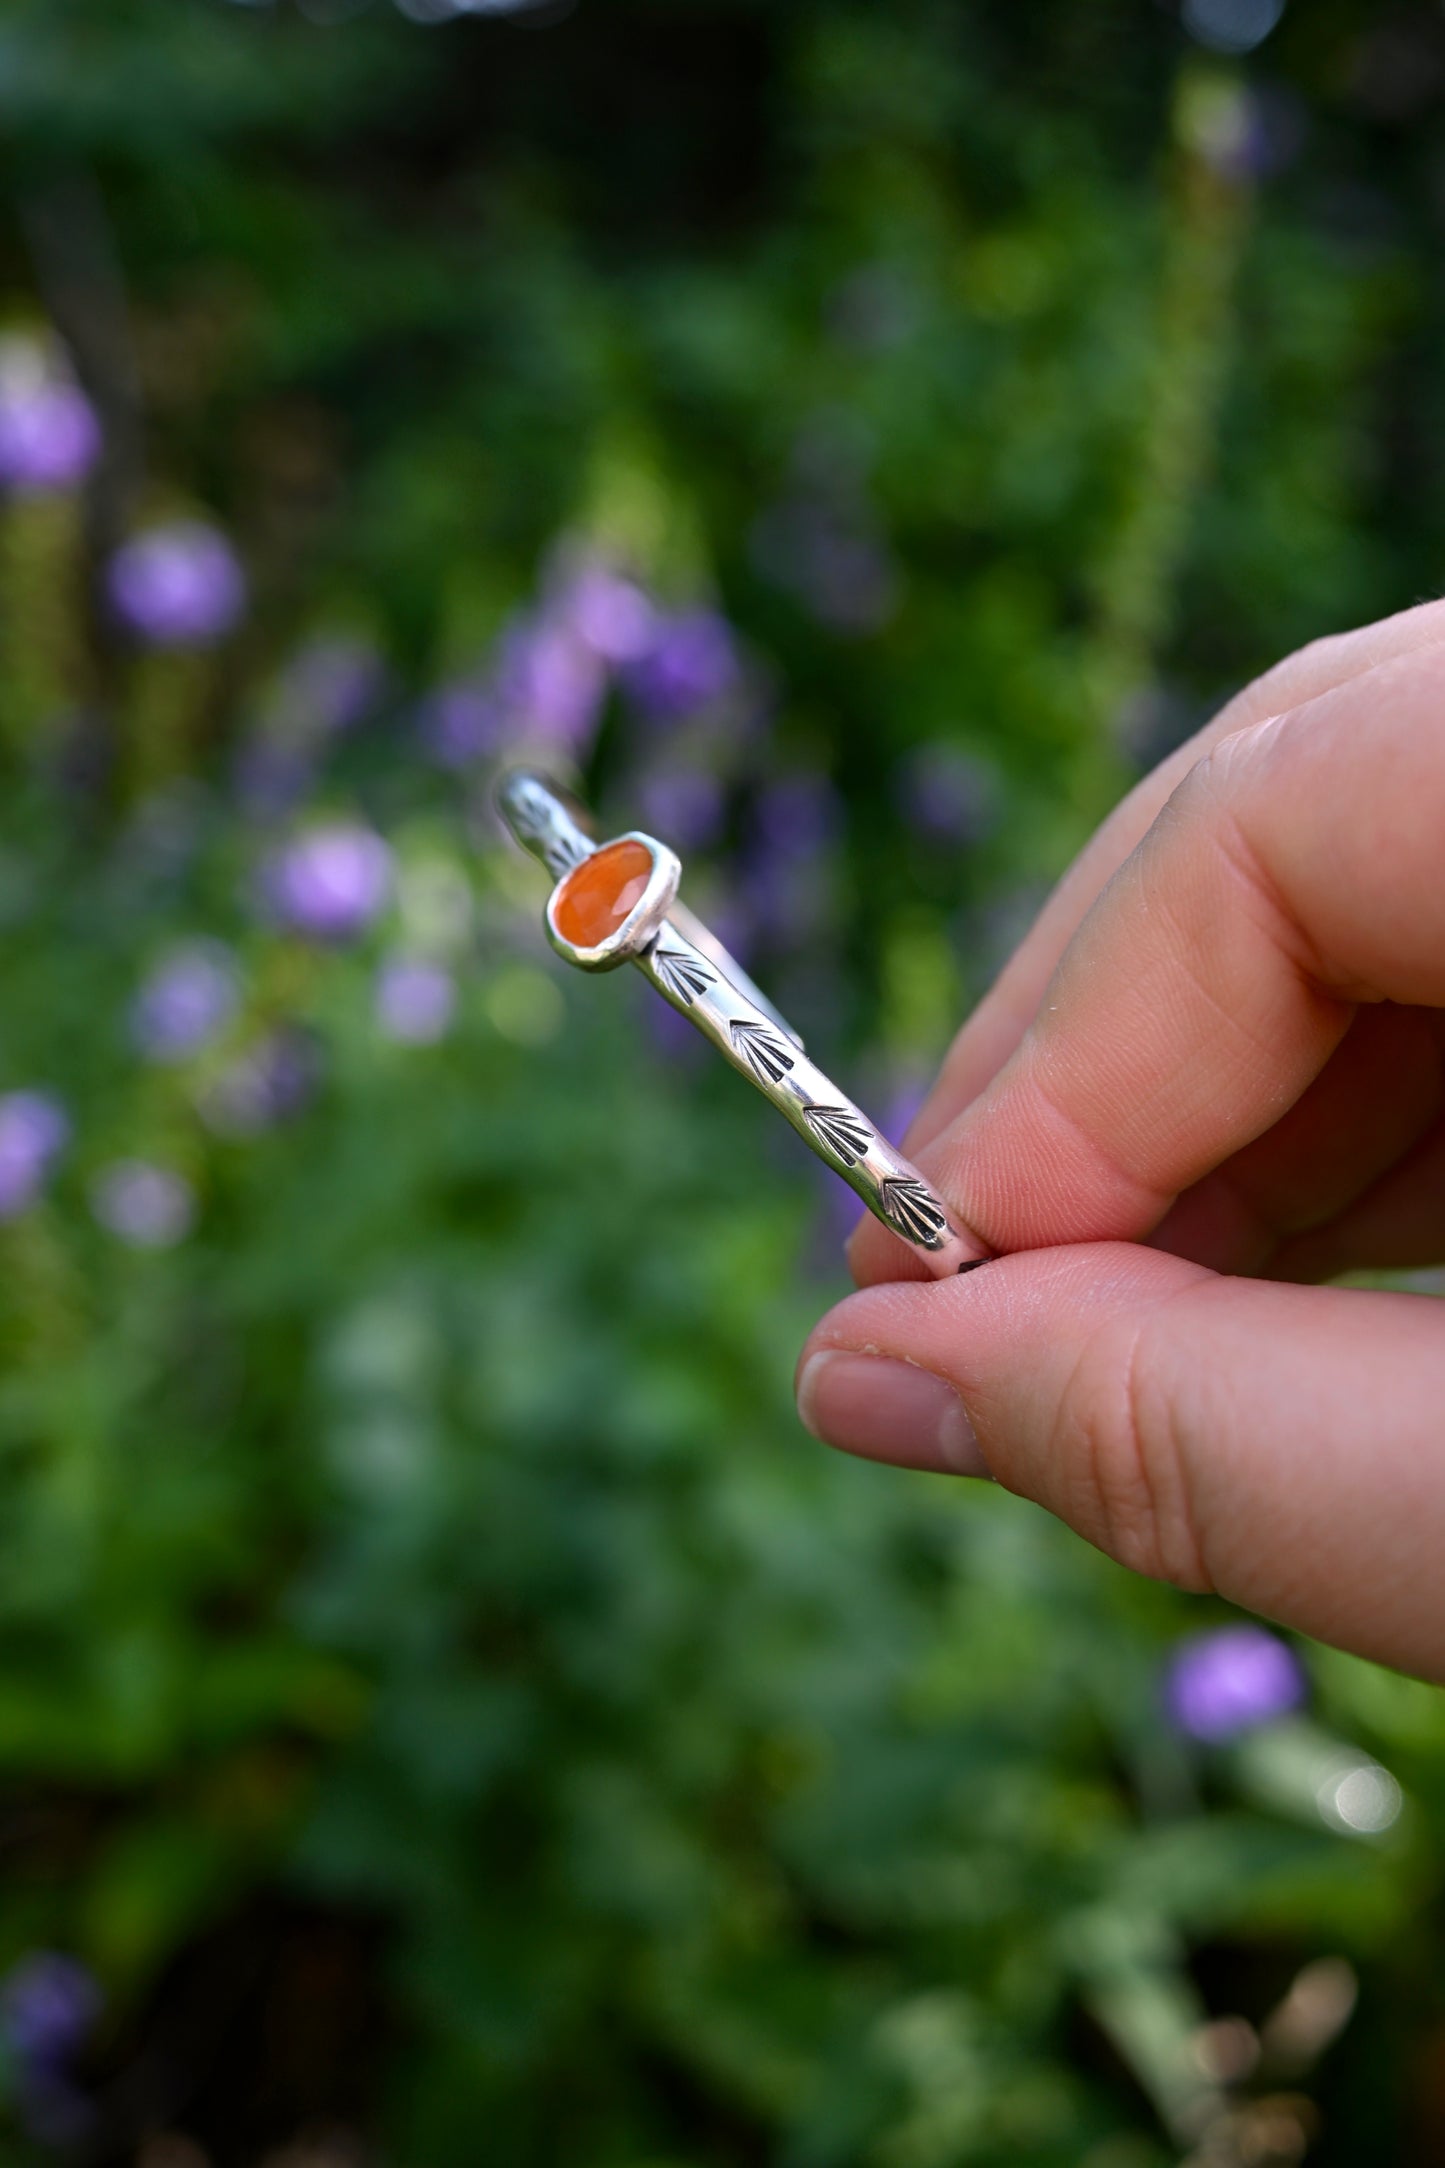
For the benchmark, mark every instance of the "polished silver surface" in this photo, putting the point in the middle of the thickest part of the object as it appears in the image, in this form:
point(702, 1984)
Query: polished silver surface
point(548, 821)
point(692, 971)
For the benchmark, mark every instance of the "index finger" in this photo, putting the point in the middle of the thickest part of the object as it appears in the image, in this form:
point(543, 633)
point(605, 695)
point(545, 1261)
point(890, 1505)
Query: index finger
point(1291, 876)
point(1001, 1018)
point(993, 1032)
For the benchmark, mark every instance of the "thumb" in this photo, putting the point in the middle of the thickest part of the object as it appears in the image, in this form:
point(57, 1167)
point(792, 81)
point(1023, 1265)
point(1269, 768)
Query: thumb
point(1283, 1445)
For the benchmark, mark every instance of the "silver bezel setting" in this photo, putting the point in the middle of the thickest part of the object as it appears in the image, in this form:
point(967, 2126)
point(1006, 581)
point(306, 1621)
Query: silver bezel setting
point(640, 927)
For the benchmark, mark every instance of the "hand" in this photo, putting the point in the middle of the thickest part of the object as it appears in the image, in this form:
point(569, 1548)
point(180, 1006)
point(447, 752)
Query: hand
point(1225, 1038)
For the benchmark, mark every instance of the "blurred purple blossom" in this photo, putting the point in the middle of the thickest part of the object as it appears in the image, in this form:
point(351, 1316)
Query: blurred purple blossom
point(148, 1207)
point(49, 435)
point(1231, 1680)
point(945, 794)
point(330, 683)
point(840, 1212)
point(415, 1000)
point(795, 817)
point(460, 722)
point(901, 1107)
point(852, 582)
point(331, 881)
point(610, 613)
point(733, 921)
point(48, 2004)
point(673, 1038)
point(270, 1083)
point(691, 663)
point(1272, 135)
point(1244, 132)
point(839, 568)
point(787, 860)
point(272, 776)
point(187, 1001)
point(683, 806)
point(443, 11)
point(34, 1129)
point(325, 690)
point(179, 585)
point(549, 685)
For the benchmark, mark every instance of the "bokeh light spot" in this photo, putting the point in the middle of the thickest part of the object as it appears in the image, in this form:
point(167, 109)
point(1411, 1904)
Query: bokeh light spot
point(525, 1006)
point(1231, 26)
point(1360, 1796)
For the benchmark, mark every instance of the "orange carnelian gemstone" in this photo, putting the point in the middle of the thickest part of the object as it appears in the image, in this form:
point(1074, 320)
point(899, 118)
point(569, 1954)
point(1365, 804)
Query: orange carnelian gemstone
point(598, 895)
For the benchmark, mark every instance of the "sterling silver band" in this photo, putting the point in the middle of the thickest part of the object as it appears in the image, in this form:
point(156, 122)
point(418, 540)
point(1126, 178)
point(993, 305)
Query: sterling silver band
point(693, 971)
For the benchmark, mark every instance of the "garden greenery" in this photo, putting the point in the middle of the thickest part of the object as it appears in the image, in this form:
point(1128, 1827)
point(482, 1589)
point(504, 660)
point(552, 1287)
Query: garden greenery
point(448, 1710)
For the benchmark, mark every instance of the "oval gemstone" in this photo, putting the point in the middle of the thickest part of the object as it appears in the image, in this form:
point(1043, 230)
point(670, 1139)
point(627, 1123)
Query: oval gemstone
point(599, 894)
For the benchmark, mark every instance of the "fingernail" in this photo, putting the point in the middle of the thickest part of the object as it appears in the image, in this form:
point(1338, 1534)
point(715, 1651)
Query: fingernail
point(887, 1410)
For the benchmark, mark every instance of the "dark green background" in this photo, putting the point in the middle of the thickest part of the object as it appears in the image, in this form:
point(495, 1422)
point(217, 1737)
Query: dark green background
point(442, 1693)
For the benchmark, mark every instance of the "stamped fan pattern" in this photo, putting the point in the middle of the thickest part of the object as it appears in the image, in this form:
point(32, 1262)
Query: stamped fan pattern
point(764, 1050)
point(912, 1208)
point(683, 976)
point(845, 1133)
point(533, 813)
point(720, 999)
point(563, 853)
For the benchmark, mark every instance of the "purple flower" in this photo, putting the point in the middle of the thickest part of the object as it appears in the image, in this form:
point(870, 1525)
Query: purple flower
point(945, 795)
point(733, 919)
point(329, 684)
point(270, 1083)
point(332, 881)
point(33, 1130)
point(902, 1106)
point(838, 568)
point(49, 436)
point(1245, 134)
point(272, 775)
point(324, 691)
point(692, 663)
point(683, 806)
point(187, 1001)
point(839, 1213)
point(460, 723)
point(177, 586)
point(613, 615)
point(1228, 1681)
point(149, 1207)
point(415, 1000)
point(48, 2004)
point(796, 817)
point(852, 585)
point(549, 684)
point(786, 856)
point(673, 1037)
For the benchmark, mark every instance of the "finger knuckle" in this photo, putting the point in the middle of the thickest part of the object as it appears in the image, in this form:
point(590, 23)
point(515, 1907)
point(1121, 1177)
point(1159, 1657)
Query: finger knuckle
point(1232, 765)
point(1128, 1467)
point(1321, 661)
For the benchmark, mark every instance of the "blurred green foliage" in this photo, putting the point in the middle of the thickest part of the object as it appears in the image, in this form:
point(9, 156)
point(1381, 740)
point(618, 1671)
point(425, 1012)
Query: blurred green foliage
point(443, 1697)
